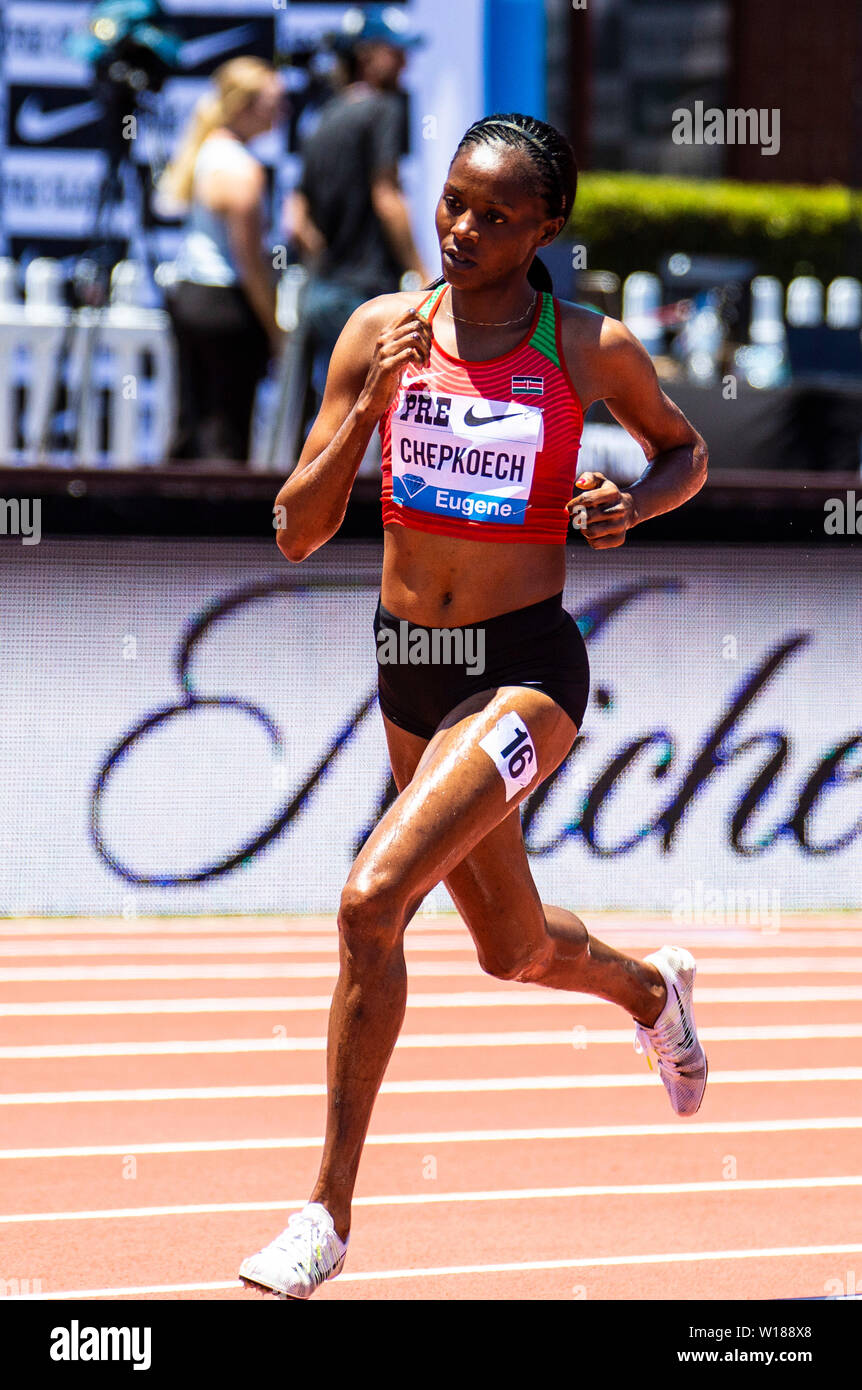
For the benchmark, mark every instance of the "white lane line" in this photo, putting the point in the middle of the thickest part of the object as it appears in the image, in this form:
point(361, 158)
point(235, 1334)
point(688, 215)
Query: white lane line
point(577, 1037)
point(306, 945)
point(822, 928)
point(781, 1252)
point(319, 927)
point(239, 946)
point(446, 1086)
point(326, 970)
point(264, 970)
point(420, 1199)
point(530, 996)
point(312, 1003)
point(455, 1136)
point(745, 936)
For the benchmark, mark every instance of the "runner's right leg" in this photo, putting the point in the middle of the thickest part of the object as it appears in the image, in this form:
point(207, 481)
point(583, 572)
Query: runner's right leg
point(455, 797)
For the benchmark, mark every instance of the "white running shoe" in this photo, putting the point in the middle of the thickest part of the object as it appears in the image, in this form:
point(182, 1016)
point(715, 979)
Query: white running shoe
point(672, 1040)
point(307, 1252)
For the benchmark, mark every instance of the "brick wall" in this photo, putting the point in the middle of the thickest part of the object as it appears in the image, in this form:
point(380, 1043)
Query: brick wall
point(805, 59)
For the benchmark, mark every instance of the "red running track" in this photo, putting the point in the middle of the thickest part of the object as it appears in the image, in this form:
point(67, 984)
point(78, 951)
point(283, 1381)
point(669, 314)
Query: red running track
point(163, 1105)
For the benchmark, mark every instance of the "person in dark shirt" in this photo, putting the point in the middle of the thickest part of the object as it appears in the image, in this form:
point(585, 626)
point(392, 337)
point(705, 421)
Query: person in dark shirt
point(355, 145)
point(347, 215)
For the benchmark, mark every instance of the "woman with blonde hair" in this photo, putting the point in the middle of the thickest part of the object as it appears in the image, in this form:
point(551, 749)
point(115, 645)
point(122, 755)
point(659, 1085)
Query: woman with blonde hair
point(222, 300)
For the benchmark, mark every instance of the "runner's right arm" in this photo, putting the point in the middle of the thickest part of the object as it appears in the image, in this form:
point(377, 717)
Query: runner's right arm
point(364, 375)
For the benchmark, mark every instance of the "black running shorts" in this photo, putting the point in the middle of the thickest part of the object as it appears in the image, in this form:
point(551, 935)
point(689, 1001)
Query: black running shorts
point(423, 673)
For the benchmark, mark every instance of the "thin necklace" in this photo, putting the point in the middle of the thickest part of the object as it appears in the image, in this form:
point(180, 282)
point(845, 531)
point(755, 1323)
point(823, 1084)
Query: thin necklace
point(481, 323)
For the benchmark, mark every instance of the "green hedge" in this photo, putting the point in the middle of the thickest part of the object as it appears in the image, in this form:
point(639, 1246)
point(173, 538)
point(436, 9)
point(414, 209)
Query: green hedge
point(631, 221)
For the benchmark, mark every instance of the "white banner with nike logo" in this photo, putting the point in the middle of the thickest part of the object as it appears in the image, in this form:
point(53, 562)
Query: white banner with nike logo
point(52, 120)
point(464, 456)
point(36, 43)
point(40, 186)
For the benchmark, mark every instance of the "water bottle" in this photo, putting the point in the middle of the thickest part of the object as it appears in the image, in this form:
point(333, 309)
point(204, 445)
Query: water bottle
point(700, 340)
point(805, 302)
point(128, 284)
point(641, 303)
point(763, 361)
point(844, 303)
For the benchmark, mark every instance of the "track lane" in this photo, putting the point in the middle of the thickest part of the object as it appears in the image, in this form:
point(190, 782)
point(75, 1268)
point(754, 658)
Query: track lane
point(597, 1228)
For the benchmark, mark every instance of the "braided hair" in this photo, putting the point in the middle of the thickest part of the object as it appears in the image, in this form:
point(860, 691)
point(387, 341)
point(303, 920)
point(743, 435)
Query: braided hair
point(553, 159)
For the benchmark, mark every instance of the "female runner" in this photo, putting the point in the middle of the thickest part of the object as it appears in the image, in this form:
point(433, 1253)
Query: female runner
point(222, 301)
point(479, 389)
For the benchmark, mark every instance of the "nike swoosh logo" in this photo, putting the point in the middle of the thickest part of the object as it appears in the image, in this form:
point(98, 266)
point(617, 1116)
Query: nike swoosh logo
point(471, 419)
point(38, 127)
point(689, 1041)
point(196, 51)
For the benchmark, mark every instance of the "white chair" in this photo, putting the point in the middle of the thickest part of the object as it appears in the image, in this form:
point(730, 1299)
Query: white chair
point(844, 303)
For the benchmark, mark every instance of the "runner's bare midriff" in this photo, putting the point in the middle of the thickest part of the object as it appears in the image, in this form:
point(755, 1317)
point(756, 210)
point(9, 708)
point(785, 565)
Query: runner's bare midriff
point(444, 581)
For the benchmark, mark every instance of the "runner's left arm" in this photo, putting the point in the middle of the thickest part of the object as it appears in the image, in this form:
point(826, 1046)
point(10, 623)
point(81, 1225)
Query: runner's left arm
point(676, 454)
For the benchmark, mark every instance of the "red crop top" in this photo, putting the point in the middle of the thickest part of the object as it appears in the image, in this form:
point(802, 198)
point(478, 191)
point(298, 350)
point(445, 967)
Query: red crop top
point(485, 450)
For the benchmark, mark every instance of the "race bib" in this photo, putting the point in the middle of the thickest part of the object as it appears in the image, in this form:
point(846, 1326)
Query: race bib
point(510, 748)
point(464, 457)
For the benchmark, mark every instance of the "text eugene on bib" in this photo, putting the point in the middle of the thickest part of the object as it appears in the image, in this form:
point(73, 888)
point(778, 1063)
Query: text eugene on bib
point(464, 456)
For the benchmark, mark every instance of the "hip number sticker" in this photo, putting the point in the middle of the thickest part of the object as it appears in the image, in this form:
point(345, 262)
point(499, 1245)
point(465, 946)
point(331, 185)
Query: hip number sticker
point(511, 749)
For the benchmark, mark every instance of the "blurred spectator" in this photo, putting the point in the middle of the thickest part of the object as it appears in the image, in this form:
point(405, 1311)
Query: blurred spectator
point(347, 216)
point(222, 301)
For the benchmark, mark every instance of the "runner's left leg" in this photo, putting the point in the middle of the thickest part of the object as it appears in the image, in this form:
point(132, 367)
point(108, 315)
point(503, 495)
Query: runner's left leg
point(517, 935)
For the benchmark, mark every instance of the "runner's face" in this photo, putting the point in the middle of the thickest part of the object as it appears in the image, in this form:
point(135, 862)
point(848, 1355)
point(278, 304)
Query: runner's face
point(486, 216)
